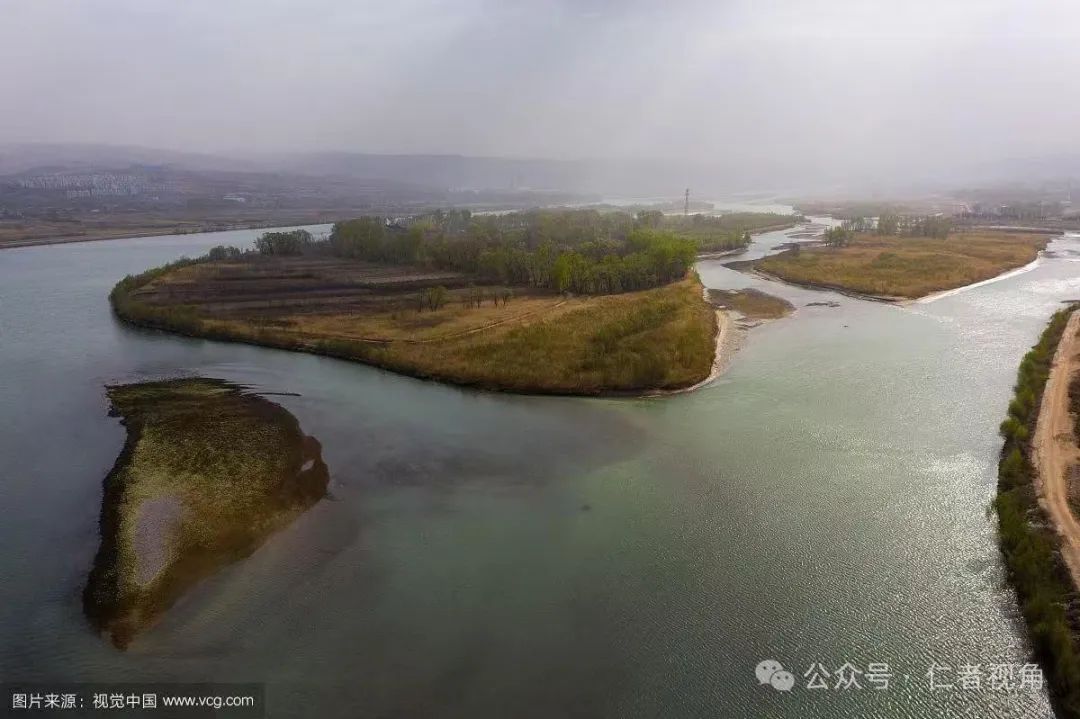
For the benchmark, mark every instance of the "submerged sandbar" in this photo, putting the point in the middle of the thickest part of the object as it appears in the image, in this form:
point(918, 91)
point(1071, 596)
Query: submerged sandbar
point(208, 472)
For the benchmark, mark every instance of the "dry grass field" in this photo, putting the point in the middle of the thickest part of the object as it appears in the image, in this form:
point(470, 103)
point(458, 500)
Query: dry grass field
point(512, 339)
point(906, 267)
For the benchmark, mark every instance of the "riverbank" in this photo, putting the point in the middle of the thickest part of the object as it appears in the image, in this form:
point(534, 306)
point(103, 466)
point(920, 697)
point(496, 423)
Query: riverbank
point(1054, 448)
point(718, 254)
point(1036, 527)
point(728, 339)
point(435, 325)
point(58, 235)
point(823, 286)
point(187, 496)
point(897, 269)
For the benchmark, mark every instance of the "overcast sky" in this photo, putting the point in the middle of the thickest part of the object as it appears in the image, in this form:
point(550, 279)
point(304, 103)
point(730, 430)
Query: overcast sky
point(849, 82)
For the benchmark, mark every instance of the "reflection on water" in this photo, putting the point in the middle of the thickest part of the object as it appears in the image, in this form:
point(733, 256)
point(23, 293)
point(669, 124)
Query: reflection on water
point(490, 555)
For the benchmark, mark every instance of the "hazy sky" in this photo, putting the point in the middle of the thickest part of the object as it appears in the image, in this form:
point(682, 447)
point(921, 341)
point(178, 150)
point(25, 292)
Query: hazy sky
point(839, 81)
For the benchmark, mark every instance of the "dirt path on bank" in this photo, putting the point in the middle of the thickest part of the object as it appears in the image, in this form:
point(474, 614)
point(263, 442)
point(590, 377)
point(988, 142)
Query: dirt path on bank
point(1055, 451)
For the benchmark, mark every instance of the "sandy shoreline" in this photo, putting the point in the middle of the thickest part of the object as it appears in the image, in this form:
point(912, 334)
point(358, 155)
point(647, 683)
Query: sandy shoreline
point(996, 278)
point(1054, 446)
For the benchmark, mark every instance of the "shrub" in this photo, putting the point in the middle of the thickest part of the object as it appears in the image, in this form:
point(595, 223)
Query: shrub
point(1030, 549)
point(283, 243)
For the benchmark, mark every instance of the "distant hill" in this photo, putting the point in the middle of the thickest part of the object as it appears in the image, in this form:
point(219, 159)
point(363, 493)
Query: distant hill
point(441, 172)
point(596, 177)
point(45, 157)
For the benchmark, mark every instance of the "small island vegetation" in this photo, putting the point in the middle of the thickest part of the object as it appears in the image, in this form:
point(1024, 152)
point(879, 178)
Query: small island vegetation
point(207, 474)
point(751, 303)
point(567, 302)
point(901, 260)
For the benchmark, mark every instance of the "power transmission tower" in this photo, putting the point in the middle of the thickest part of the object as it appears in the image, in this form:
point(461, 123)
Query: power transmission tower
point(686, 205)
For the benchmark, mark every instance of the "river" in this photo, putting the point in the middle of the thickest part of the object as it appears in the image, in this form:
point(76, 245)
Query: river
point(484, 555)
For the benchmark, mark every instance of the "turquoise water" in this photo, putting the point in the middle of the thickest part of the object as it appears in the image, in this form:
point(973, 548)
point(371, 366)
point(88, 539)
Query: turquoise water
point(488, 555)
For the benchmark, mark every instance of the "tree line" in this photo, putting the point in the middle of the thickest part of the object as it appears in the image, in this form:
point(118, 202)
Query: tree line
point(584, 252)
point(293, 242)
point(1028, 544)
point(891, 223)
point(580, 251)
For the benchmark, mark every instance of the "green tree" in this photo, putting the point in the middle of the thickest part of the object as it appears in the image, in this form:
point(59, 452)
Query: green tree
point(650, 218)
point(888, 223)
point(283, 243)
point(361, 238)
point(437, 297)
point(837, 237)
point(221, 252)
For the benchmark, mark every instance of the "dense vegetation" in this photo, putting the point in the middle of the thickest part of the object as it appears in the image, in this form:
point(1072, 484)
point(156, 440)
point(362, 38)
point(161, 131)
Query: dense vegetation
point(903, 266)
point(893, 223)
point(293, 242)
point(580, 251)
point(1029, 545)
point(721, 233)
point(577, 251)
point(585, 252)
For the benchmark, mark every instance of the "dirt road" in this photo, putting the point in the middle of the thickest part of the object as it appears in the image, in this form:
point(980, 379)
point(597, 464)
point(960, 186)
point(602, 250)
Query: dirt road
point(1055, 449)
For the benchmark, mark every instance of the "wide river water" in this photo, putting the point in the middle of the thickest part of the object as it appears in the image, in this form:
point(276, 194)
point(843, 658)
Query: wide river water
point(485, 555)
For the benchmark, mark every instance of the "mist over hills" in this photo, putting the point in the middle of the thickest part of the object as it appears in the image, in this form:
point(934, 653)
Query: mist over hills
point(430, 176)
point(608, 177)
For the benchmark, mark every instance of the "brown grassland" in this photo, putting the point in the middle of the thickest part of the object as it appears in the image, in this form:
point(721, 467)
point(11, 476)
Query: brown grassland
point(532, 341)
point(905, 267)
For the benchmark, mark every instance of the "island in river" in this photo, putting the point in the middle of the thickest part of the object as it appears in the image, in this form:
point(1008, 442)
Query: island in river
point(501, 338)
point(751, 304)
point(555, 302)
point(207, 474)
point(896, 267)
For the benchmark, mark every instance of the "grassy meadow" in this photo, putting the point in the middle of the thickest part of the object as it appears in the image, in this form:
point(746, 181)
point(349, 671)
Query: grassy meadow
point(662, 338)
point(905, 267)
